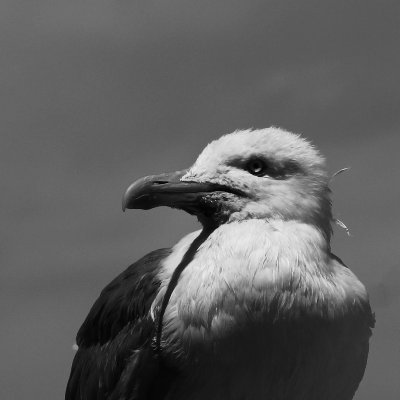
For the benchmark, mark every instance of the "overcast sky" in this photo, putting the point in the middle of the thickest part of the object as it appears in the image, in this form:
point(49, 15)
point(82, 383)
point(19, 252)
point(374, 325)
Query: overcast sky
point(97, 93)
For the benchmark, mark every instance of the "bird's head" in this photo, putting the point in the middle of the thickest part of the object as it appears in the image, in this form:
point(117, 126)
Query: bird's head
point(261, 174)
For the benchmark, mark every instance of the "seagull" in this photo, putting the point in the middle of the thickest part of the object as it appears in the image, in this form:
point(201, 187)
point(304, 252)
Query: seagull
point(252, 306)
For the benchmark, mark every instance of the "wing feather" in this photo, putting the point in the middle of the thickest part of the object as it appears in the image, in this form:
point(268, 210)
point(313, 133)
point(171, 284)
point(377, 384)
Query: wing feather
point(115, 359)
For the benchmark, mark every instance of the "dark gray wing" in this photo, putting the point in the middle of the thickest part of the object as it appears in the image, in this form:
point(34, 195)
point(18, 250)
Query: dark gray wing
point(115, 359)
point(357, 330)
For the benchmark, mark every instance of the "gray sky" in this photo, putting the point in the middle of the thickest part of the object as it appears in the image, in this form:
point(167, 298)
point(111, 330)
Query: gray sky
point(95, 94)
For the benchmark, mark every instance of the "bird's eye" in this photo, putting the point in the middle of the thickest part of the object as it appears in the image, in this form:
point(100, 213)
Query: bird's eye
point(257, 167)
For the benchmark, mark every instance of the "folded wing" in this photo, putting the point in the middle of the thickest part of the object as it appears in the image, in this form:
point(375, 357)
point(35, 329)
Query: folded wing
point(115, 358)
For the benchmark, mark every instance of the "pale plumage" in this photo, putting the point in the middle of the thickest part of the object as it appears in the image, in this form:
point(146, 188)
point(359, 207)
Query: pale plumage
point(294, 187)
point(254, 306)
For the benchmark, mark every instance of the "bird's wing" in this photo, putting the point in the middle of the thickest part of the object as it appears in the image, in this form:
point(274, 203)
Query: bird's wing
point(353, 350)
point(115, 358)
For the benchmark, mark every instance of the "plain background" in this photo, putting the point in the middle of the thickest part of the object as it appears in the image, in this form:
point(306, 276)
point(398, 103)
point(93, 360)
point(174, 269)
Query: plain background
point(96, 93)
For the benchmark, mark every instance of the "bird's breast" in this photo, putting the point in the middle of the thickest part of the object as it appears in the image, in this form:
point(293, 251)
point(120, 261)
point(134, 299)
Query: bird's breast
point(257, 291)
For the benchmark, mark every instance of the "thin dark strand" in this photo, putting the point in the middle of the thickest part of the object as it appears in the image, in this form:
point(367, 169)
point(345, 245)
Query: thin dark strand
point(187, 258)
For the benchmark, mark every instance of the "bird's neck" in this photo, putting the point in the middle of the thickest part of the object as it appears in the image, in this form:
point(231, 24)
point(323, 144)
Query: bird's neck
point(255, 242)
point(311, 211)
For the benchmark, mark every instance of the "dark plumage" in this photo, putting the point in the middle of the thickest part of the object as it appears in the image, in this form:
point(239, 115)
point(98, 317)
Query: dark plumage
point(115, 358)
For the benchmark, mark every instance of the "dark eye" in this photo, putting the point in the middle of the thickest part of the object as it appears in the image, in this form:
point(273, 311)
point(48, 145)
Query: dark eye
point(256, 167)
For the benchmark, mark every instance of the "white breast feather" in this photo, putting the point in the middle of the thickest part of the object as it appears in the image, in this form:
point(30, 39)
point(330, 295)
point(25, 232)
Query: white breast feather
point(241, 269)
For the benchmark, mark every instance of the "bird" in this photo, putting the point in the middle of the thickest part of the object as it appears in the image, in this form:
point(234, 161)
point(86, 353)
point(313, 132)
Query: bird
point(254, 305)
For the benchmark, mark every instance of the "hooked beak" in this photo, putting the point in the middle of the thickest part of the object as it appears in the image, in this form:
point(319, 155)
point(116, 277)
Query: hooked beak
point(168, 190)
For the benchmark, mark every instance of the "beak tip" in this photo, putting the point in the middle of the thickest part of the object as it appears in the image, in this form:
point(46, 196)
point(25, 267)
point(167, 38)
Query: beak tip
point(123, 203)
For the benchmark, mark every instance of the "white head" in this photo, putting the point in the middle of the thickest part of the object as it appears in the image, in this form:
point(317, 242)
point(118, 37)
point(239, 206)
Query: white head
point(253, 174)
point(280, 174)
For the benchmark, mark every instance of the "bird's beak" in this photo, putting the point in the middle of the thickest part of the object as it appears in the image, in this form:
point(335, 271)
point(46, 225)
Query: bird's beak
point(168, 190)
